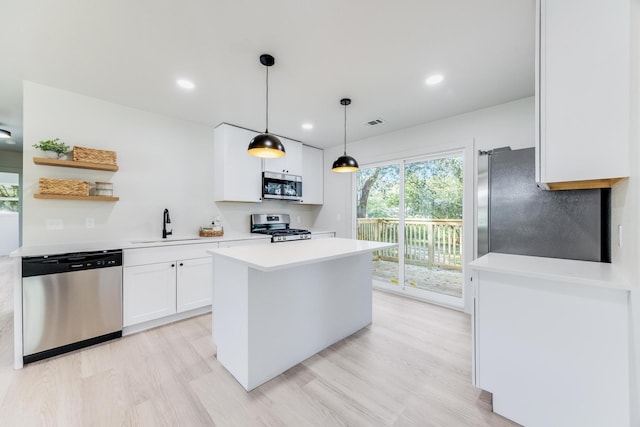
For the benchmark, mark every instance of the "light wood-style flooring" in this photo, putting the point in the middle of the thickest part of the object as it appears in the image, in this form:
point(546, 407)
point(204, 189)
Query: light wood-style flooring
point(411, 367)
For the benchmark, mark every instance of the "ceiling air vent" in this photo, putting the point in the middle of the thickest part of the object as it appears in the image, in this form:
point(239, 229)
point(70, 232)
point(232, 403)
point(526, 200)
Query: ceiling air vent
point(375, 122)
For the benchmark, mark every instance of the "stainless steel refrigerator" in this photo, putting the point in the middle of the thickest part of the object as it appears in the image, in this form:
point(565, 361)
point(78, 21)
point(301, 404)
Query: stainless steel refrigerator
point(517, 217)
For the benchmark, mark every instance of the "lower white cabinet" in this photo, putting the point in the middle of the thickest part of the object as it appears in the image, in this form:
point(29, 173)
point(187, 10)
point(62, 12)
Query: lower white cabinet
point(163, 281)
point(157, 290)
point(149, 292)
point(194, 283)
point(551, 340)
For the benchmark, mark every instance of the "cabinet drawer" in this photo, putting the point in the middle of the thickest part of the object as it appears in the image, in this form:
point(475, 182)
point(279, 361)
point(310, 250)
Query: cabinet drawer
point(141, 256)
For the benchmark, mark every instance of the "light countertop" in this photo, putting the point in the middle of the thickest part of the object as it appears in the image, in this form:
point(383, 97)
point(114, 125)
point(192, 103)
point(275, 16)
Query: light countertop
point(292, 254)
point(62, 248)
point(563, 270)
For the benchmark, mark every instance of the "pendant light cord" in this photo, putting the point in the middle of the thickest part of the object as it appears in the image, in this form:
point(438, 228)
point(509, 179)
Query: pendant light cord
point(267, 102)
point(345, 130)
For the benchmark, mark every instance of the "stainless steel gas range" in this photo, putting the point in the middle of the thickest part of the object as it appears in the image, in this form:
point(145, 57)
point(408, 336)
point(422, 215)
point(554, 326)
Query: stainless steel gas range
point(277, 226)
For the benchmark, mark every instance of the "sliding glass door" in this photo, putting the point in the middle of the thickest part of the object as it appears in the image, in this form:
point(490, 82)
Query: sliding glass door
point(377, 208)
point(416, 203)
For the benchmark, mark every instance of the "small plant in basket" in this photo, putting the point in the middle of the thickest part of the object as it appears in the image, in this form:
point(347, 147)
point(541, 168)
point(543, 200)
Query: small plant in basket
point(58, 148)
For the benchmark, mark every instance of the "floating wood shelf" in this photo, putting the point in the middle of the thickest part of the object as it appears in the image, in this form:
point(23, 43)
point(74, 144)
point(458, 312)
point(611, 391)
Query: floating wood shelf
point(72, 164)
point(67, 197)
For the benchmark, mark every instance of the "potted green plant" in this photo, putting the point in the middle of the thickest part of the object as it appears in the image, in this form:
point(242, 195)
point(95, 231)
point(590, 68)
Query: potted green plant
point(53, 148)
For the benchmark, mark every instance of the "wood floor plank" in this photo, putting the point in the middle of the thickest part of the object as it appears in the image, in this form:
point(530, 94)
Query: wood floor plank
point(411, 367)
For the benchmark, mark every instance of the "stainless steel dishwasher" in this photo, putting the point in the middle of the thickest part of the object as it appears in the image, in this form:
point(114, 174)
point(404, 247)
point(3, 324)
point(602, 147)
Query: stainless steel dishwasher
point(70, 301)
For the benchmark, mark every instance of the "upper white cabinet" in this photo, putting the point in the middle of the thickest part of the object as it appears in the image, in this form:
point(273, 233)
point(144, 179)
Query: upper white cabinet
point(291, 163)
point(237, 175)
point(582, 93)
point(312, 176)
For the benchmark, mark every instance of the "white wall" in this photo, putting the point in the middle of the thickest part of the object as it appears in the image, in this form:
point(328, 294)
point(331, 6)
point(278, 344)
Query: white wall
point(164, 163)
point(625, 211)
point(509, 124)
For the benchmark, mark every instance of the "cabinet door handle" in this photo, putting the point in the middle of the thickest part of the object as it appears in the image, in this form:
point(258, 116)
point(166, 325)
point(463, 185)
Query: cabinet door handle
point(173, 265)
point(181, 264)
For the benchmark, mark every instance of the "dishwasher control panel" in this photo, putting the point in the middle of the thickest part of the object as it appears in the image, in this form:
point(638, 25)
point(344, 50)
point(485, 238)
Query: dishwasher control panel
point(61, 263)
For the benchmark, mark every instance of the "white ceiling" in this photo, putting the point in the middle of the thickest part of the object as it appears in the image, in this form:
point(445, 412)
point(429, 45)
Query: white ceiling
point(377, 52)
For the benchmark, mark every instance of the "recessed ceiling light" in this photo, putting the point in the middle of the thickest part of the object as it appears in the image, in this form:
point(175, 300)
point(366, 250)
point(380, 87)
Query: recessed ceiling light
point(435, 79)
point(186, 84)
point(307, 126)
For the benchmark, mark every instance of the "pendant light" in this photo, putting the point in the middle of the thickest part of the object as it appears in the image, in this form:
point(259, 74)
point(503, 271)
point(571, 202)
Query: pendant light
point(5, 134)
point(345, 163)
point(265, 144)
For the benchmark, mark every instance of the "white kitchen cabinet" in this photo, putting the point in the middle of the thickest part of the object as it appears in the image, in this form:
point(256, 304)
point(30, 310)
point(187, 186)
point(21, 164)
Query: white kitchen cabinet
point(291, 163)
point(312, 176)
point(582, 93)
point(165, 280)
point(551, 340)
point(237, 175)
point(149, 292)
point(194, 283)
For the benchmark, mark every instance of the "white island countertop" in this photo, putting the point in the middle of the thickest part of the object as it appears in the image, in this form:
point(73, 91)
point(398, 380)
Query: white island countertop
point(564, 270)
point(282, 255)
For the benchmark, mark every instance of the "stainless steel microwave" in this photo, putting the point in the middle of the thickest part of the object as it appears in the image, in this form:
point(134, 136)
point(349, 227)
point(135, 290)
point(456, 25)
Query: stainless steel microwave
point(281, 186)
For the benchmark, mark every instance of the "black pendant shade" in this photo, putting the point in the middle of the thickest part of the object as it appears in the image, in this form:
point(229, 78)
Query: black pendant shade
point(5, 134)
point(265, 144)
point(345, 163)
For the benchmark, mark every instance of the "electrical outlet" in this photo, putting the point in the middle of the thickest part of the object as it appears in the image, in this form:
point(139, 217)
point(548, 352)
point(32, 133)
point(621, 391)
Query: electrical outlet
point(90, 222)
point(54, 224)
point(619, 235)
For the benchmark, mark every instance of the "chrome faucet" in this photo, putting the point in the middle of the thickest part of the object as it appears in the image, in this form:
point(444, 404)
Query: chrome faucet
point(166, 220)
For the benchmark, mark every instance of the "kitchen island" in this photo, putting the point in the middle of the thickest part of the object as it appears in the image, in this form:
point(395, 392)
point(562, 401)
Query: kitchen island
point(276, 305)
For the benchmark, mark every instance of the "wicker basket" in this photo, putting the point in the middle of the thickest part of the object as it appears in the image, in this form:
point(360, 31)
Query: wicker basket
point(67, 187)
point(207, 232)
point(90, 155)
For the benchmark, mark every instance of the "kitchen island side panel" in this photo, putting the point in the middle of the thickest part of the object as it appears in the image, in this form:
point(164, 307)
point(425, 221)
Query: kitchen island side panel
point(295, 313)
point(268, 322)
point(230, 319)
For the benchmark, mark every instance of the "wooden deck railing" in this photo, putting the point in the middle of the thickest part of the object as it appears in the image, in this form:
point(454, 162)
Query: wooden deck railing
point(427, 242)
